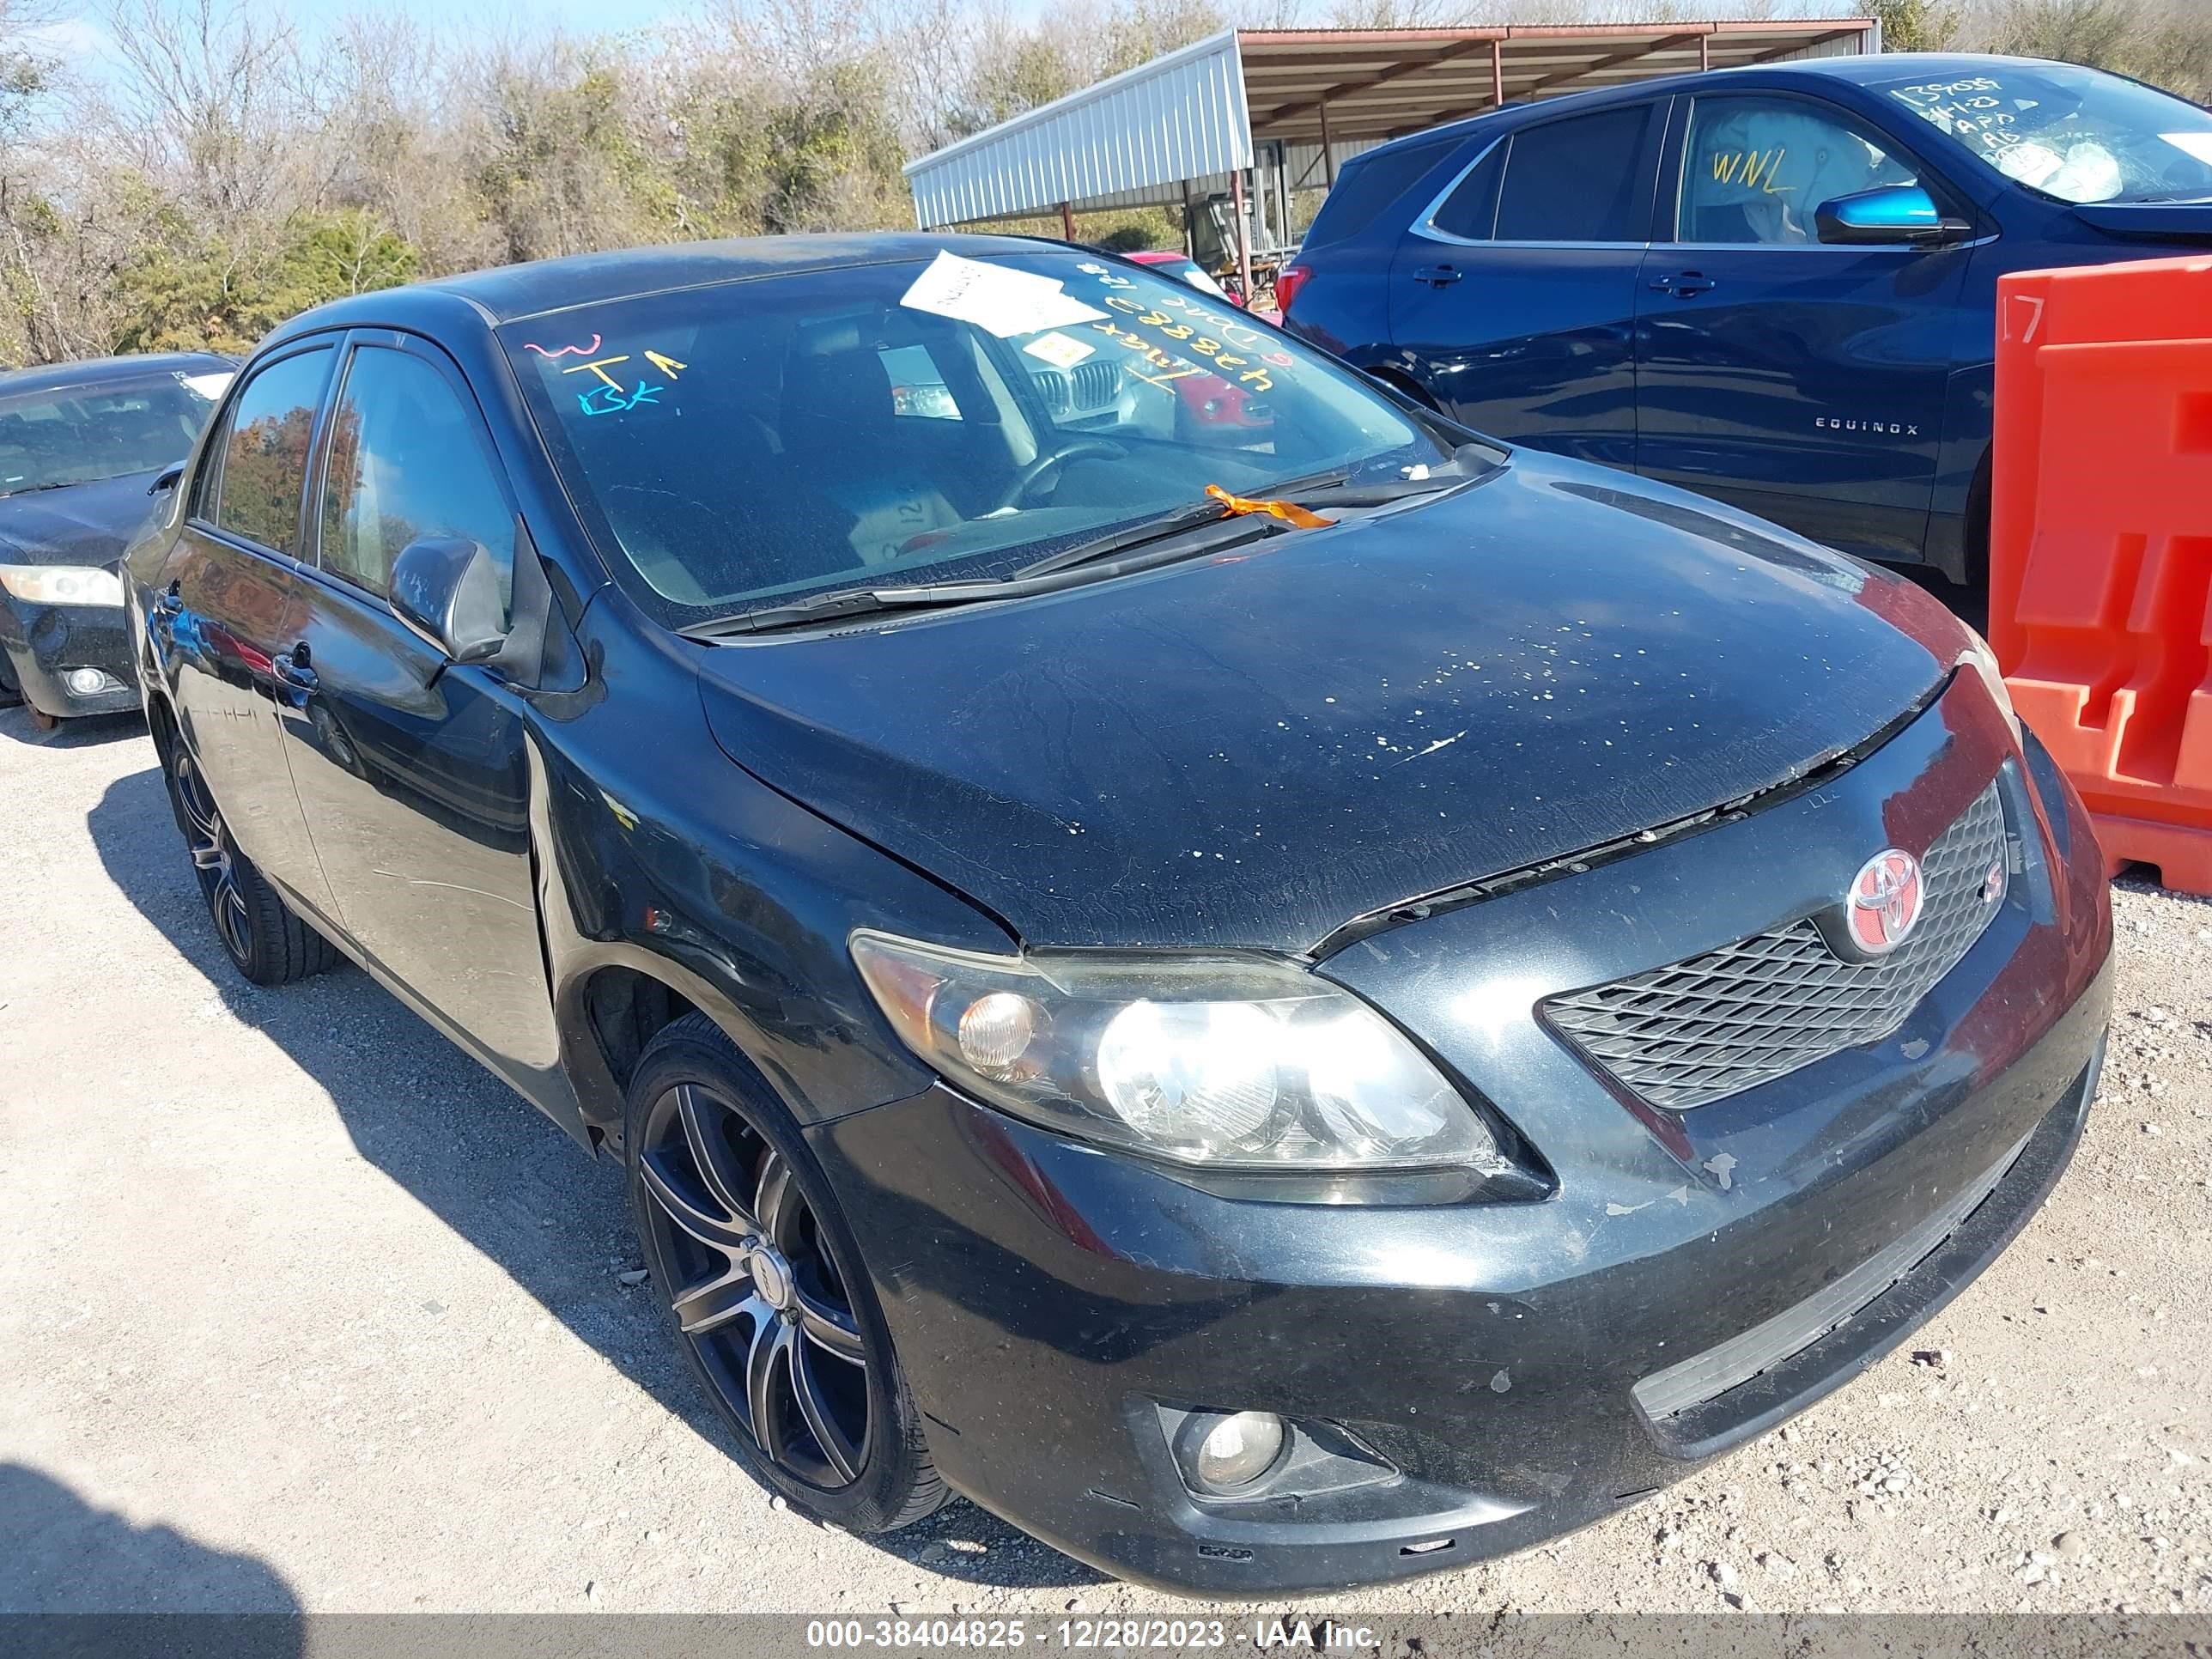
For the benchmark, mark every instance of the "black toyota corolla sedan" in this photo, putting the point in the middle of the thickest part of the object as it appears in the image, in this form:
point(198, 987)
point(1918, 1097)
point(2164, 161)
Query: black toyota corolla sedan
point(1282, 1001)
point(82, 447)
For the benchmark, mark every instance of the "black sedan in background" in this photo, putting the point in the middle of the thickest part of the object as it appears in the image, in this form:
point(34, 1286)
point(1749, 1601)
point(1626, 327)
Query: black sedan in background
point(82, 445)
point(1281, 1003)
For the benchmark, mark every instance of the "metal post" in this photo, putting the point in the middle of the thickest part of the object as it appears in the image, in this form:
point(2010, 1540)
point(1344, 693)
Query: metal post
point(1704, 51)
point(1328, 160)
point(1243, 231)
point(1066, 222)
point(1497, 70)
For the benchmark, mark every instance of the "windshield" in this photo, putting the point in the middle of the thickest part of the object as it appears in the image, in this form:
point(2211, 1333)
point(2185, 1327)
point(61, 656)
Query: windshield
point(752, 442)
point(105, 429)
point(2079, 134)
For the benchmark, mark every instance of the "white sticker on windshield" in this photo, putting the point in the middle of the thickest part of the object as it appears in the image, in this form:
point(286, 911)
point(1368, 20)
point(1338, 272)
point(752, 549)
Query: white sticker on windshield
point(995, 298)
point(2198, 144)
point(1061, 350)
point(209, 387)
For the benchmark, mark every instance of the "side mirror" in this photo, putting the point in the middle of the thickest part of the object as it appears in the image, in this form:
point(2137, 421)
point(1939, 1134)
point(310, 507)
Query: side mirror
point(1885, 216)
point(445, 590)
point(166, 481)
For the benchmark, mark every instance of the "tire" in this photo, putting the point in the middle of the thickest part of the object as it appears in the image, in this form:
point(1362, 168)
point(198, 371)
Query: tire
point(10, 694)
point(764, 1287)
point(264, 940)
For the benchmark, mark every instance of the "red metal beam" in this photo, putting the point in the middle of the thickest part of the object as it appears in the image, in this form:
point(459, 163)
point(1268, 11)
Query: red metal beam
point(1378, 77)
point(1665, 43)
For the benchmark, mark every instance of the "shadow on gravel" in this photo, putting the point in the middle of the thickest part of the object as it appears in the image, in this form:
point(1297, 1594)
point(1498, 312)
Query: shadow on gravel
point(59, 1554)
point(15, 725)
point(490, 1165)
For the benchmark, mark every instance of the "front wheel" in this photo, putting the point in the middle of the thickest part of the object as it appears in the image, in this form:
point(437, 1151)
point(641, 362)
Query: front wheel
point(264, 940)
point(765, 1288)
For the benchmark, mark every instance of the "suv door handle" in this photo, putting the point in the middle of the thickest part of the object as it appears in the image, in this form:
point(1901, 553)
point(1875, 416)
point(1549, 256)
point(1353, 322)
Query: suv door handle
point(1685, 286)
point(1439, 276)
point(294, 669)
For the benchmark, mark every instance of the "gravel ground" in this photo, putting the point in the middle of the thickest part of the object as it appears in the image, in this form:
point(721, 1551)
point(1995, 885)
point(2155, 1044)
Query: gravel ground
point(299, 1308)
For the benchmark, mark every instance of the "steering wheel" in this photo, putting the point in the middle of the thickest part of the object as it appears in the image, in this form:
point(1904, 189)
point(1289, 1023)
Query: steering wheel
point(1026, 479)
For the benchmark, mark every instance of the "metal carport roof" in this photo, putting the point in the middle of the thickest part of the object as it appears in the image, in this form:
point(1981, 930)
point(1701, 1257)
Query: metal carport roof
point(1201, 113)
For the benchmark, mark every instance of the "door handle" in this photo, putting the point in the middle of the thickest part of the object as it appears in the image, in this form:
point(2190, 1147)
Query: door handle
point(1439, 276)
point(295, 668)
point(1687, 285)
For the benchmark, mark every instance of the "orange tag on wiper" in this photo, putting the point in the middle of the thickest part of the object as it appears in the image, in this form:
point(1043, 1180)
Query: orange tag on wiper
point(1288, 511)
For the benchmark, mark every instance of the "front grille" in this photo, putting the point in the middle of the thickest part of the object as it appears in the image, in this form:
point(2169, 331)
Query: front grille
point(1085, 390)
point(1054, 387)
point(1097, 384)
point(1695, 1031)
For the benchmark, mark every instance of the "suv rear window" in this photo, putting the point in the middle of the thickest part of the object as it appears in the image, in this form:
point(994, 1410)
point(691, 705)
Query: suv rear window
point(1577, 180)
point(1370, 183)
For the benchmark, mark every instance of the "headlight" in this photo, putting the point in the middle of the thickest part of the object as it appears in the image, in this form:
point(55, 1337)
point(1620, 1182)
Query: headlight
point(1978, 657)
point(1225, 1062)
point(61, 584)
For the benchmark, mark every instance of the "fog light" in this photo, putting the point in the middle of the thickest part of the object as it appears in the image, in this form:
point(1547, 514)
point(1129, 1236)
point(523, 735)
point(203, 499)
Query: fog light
point(89, 682)
point(1226, 1453)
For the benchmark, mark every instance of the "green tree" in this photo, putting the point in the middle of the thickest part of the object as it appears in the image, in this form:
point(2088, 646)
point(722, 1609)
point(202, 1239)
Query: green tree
point(1913, 24)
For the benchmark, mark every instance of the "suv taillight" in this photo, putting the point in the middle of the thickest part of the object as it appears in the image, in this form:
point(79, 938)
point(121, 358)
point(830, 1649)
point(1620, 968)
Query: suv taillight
point(1288, 281)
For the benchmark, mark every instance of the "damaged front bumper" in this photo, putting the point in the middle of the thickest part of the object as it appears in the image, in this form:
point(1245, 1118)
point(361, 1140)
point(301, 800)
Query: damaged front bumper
point(1475, 1376)
point(46, 644)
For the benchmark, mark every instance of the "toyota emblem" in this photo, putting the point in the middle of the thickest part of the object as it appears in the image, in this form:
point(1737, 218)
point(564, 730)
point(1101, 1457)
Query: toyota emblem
point(1885, 901)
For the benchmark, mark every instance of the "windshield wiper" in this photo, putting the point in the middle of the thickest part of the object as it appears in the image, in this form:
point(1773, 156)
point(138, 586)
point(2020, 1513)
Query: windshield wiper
point(1188, 516)
point(1043, 577)
point(1333, 488)
point(848, 602)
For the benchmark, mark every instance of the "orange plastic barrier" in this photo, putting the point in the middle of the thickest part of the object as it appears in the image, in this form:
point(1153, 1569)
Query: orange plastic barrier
point(2101, 544)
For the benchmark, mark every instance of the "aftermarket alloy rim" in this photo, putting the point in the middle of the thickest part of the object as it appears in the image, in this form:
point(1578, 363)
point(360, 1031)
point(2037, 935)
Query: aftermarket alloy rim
point(739, 1253)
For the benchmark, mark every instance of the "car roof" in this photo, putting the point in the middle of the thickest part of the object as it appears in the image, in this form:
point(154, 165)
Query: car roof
point(505, 294)
point(92, 371)
point(1858, 68)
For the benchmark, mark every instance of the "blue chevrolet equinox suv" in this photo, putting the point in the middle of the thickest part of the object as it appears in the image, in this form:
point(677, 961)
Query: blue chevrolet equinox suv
point(1776, 285)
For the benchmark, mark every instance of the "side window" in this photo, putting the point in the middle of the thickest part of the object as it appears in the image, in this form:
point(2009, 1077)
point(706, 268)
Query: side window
point(1471, 209)
point(264, 467)
point(918, 387)
point(406, 461)
point(1754, 170)
point(1577, 180)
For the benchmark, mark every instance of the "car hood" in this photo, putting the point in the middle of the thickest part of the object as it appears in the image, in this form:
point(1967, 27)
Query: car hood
point(1255, 749)
point(86, 523)
point(2150, 222)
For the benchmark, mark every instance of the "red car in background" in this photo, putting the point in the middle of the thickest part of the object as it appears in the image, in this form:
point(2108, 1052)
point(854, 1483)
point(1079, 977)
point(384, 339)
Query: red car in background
point(1206, 399)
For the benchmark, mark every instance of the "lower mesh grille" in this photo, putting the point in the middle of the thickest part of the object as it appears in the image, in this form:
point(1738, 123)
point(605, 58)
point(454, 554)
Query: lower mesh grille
point(1698, 1030)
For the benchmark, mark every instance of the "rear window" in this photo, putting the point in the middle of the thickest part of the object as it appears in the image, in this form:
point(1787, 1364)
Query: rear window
point(1577, 180)
point(1471, 210)
point(1369, 184)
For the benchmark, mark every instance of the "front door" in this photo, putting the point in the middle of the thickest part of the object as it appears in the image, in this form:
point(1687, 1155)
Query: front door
point(1513, 296)
point(232, 597)
point(1801, 381)
point(414, 774)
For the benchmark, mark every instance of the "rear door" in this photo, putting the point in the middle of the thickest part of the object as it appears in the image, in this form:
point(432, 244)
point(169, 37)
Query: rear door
point(1802, 381)
point(1513, 296)
point(413, 773)
point(233, 597)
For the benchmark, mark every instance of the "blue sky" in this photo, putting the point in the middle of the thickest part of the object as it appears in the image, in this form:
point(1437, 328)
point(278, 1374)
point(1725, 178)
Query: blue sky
point(81, 37)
